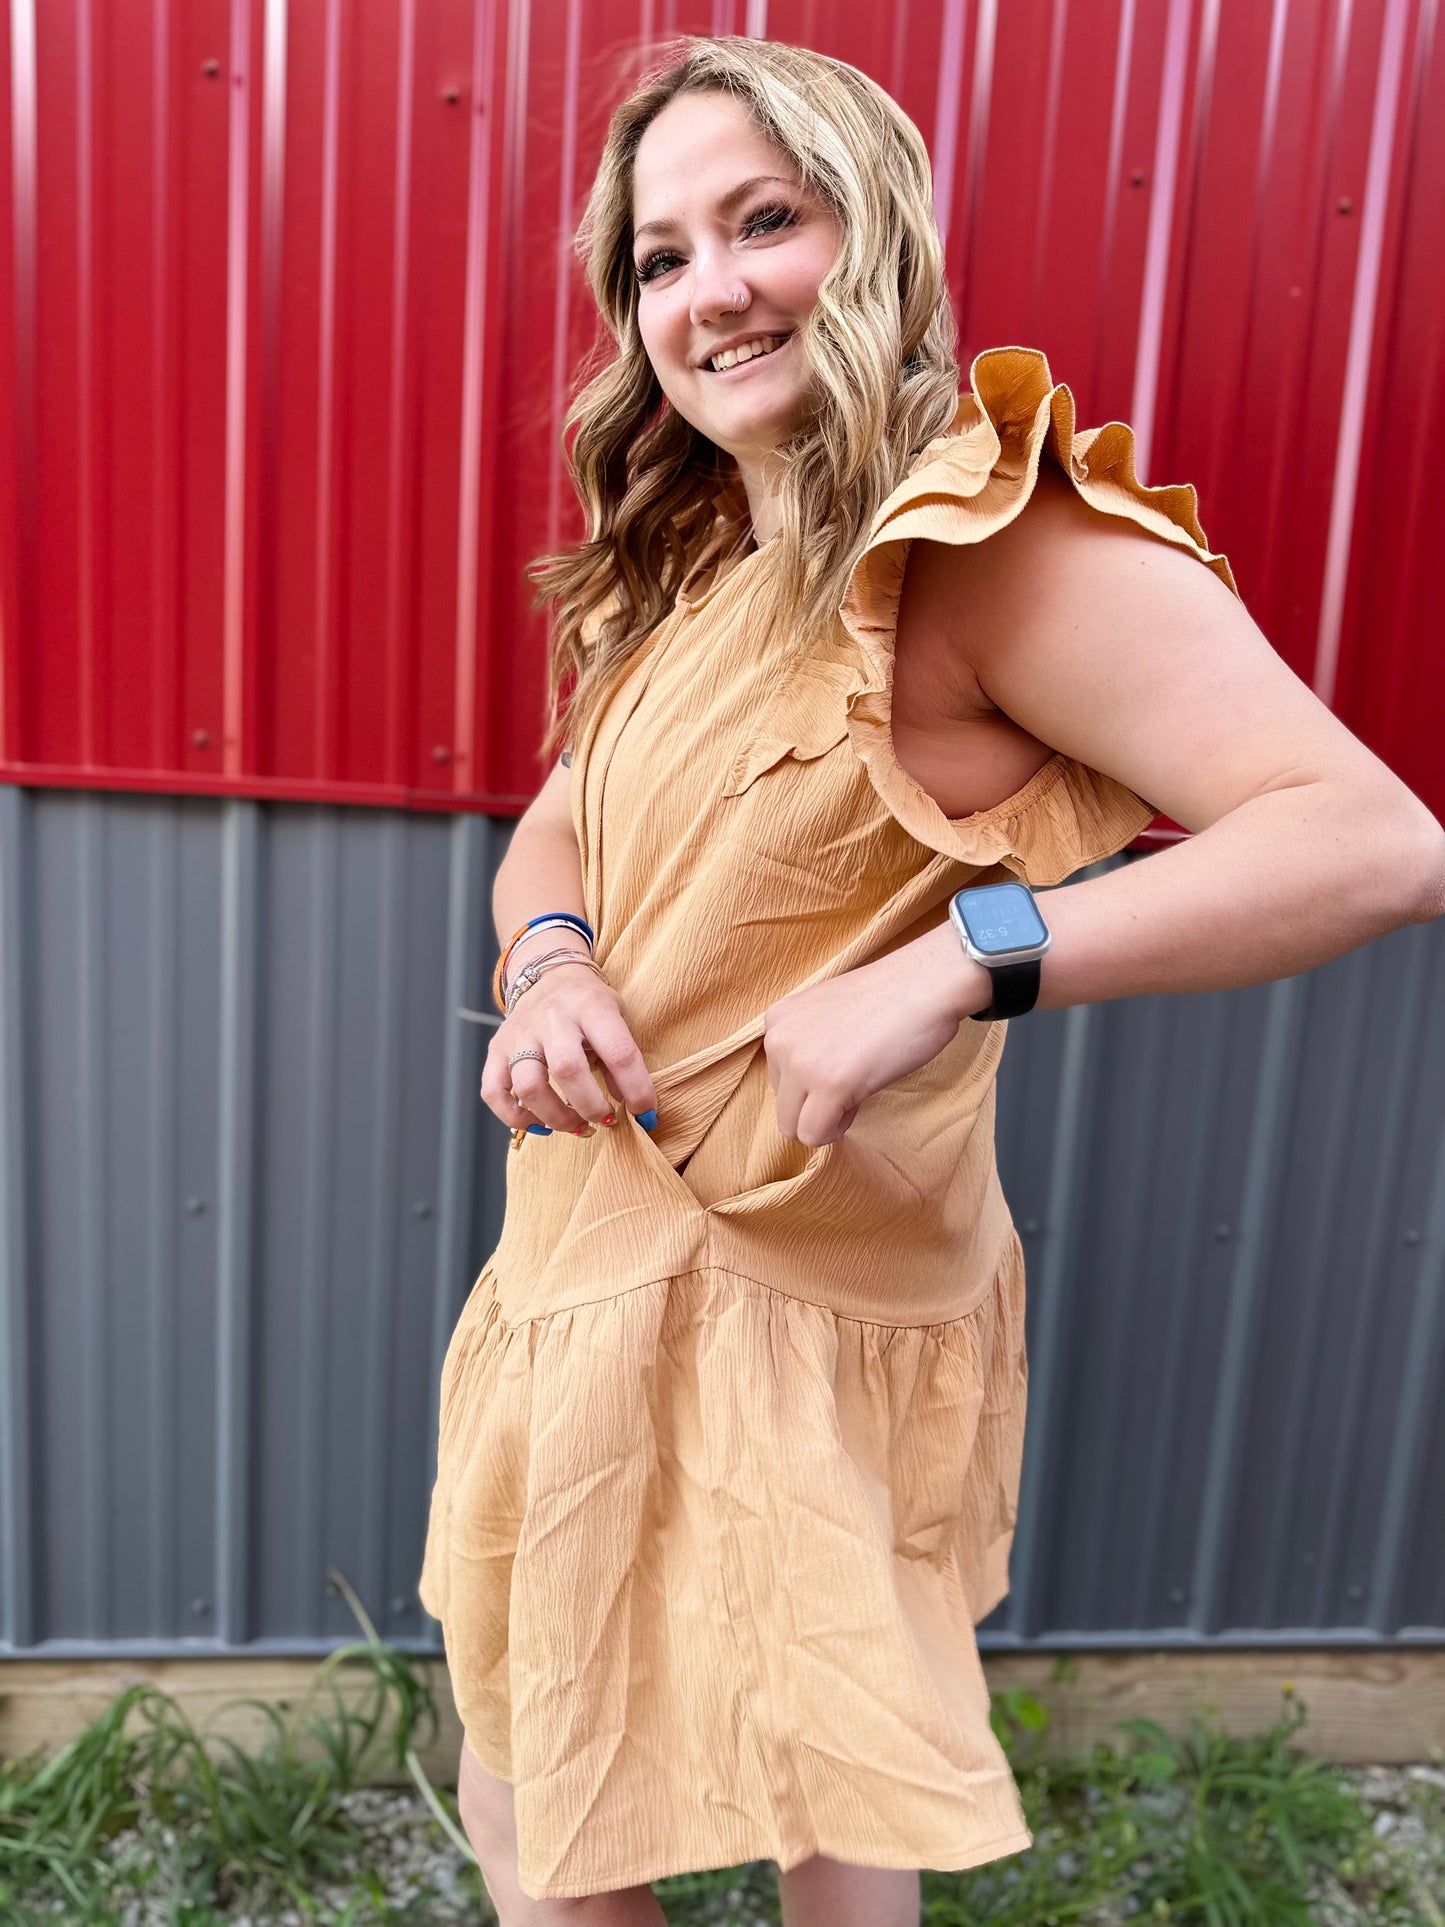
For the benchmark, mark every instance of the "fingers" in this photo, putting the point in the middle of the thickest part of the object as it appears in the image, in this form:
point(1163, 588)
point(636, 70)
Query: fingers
point(560, 1088)
point(570, 1072)
point(787, 1102)
point(809, 1108)
point(820, 1118)
point(627, 1074)
point(812, 1116)
point(497, 1092)
point(528, 1077)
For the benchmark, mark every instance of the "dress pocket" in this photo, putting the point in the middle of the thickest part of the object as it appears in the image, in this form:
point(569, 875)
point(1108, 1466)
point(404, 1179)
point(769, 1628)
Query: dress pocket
point(765, 751)
point(801, 720)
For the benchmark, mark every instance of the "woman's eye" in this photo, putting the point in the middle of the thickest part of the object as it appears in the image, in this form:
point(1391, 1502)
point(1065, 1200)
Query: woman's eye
point(769, 219)
point(651, 265)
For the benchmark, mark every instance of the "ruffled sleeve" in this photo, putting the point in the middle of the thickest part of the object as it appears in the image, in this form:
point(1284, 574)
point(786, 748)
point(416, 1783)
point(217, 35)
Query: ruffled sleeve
point(966, 485)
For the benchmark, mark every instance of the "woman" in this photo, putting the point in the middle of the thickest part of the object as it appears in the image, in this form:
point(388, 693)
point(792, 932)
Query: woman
point(732, 1420)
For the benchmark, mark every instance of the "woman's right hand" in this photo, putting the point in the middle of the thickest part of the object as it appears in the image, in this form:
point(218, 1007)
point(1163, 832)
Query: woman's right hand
point(574, 1018)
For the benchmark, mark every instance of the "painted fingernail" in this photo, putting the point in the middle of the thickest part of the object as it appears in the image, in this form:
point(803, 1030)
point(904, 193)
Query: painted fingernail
point(583, 1130)
point(611, 1118)
point(539, 1130)
point(648, 1120)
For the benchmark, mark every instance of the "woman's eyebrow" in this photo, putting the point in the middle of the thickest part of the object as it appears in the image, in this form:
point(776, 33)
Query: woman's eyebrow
point(726, 203)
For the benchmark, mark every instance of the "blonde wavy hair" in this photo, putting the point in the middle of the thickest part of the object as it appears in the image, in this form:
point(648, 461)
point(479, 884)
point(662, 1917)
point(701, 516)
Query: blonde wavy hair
point(880, 346)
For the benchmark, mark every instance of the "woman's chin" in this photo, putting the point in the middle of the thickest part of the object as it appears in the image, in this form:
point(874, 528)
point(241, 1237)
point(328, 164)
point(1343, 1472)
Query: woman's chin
point(750, 433)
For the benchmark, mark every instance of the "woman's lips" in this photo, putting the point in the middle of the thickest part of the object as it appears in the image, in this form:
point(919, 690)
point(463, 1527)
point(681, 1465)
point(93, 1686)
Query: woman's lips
point(741, 367)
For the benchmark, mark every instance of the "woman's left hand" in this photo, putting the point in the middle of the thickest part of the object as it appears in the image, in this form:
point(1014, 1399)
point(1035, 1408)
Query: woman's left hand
point(833, 1045)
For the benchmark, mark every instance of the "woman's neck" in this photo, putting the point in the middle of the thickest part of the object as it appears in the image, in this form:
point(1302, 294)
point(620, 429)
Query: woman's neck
point(761, 478)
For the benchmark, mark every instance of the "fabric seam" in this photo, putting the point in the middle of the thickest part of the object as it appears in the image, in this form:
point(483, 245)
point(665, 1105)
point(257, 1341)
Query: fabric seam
point(772, 1291)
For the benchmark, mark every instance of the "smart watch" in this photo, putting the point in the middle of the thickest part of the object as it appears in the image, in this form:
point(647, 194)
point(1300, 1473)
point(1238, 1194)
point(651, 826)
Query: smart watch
point(1000, 927)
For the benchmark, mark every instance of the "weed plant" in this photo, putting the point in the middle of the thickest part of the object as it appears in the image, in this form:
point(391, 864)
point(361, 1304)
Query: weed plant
point(142, 1802)
point(1201, 1830)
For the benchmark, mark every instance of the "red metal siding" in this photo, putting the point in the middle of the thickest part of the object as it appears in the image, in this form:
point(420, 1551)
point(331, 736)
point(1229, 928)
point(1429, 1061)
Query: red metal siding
point(289, 313)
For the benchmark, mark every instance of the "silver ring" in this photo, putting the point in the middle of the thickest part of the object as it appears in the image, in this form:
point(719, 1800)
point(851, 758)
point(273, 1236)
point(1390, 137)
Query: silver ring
point(738, 300)
point(517, 1056)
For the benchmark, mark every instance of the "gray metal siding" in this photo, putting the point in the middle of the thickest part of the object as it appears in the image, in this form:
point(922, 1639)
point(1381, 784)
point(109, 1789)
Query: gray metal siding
point(1235, 1221)
point(246, 1182)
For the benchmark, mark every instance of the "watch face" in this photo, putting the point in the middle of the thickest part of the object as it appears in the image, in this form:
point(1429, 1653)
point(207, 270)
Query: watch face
point(1001, 917)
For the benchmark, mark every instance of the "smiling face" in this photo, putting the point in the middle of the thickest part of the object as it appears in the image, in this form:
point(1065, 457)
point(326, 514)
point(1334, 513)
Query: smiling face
point(730, 249)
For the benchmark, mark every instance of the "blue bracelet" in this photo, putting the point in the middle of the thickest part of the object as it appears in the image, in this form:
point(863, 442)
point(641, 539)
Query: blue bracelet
point(565, 916)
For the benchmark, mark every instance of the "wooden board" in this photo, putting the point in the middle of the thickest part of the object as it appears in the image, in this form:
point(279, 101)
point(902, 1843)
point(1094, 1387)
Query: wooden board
point(1387, 1707)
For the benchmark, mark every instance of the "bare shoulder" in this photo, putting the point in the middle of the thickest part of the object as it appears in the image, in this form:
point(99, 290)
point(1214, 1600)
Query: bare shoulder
point(964, 606)
point(1106, 642)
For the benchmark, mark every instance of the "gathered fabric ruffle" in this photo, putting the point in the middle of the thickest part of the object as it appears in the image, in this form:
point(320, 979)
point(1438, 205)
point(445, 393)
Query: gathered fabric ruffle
point(708, 1534)
point(966, 485)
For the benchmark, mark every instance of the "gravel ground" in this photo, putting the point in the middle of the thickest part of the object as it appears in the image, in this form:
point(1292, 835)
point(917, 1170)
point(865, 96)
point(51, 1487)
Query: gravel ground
point(1409, 1827)
point(408, 1859)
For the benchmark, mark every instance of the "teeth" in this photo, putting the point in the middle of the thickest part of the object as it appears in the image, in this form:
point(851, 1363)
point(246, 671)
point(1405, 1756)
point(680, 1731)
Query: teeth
point(763, 345)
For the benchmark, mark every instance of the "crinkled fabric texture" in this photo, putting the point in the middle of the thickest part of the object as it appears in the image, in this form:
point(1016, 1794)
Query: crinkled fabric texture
point(731, 1427)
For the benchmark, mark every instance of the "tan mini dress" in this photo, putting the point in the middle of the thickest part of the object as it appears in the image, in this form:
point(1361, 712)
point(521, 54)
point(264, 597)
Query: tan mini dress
point(731, 1427)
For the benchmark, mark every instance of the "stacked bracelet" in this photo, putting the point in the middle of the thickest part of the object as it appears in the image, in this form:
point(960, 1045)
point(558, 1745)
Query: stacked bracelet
point(539, 966)
point(549, 919)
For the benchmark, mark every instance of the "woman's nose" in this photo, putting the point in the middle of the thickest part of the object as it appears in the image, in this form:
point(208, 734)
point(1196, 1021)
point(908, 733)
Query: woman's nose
point(716, 287)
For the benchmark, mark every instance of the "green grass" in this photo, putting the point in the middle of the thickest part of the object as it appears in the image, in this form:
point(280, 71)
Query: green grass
point(1195, 1829)
point(208, 1823)
point(1199, 1830)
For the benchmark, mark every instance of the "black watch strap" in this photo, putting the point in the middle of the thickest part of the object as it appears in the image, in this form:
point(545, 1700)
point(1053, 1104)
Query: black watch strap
point(1015, 990)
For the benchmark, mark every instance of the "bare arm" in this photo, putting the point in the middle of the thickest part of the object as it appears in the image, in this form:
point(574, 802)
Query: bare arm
point(1118, 649)
point(542, 869)
point(1077, 632)
point(571, 1016)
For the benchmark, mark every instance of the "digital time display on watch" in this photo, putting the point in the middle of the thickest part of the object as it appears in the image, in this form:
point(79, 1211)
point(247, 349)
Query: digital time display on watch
point(1001, 917)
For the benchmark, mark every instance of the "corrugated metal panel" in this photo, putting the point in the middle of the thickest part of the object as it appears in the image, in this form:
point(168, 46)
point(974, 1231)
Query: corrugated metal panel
point(244, 1179)
point(289, 315)
point(246, 1183)
point(1234, 1214)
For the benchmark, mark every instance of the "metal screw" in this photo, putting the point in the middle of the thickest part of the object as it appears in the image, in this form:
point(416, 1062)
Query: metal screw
point(1354, 1592)
point(196, 1207)
point(452, 95)
point(200, 738)
point(200, 1607)
point(1222, 1231)
point(1137, 178)
point(1031, 1227)
point(421, 1209)
point(210, 68)
point(1413, 1237)
point(1177, 1596)
point(441, 754)
point(1344, 205)
point(400, 1603)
